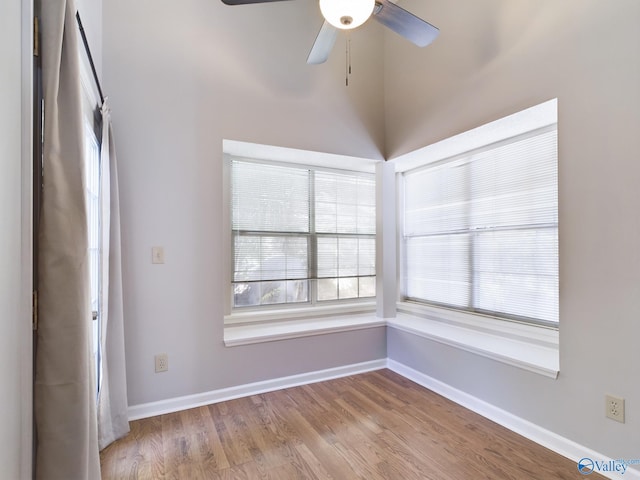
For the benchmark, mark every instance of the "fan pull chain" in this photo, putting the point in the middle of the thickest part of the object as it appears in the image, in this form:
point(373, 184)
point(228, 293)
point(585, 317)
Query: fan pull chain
point(348, 59)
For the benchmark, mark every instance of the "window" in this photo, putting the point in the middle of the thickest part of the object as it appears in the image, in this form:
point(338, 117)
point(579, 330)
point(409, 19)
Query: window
point(480, 230)
point(93, 184)
point(301, 234)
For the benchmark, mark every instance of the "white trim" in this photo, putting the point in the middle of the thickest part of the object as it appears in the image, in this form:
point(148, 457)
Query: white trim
point(561, 445)
point(206, 398)
point(240, 316)
point(500, 344)
point(532, 118)
point(268, 332)
point(538, 334)
point(300, 157)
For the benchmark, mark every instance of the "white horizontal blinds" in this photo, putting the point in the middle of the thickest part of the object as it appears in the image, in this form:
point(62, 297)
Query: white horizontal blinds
point(270, 220)
point(270, 258)
point(345, 203)
point(437, 269)
point(345, 223)
point(293, 225)
point(269, 198)
point(481, 231)
point(436, 240)
point(515, 184)
point(515, 202)
point(516, 272)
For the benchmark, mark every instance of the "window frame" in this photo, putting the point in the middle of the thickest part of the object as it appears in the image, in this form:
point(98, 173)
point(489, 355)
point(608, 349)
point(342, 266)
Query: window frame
point(527, 346)
point(288, 157)
point(471, 308)
point(519, 124)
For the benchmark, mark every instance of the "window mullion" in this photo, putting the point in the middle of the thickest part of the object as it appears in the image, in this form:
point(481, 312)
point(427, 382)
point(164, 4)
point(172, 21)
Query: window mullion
point(471, 274)
point(313, 241)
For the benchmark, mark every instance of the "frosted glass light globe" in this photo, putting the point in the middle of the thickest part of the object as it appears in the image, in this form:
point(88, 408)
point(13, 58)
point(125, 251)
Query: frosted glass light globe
point(346, 14)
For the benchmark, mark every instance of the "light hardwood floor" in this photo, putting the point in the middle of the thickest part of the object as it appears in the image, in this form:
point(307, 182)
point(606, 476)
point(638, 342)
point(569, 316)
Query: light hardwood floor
point(376, 425)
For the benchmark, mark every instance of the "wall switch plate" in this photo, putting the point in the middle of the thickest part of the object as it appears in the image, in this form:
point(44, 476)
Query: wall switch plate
point(157, 255)
point(162, 362)
point(614, 408)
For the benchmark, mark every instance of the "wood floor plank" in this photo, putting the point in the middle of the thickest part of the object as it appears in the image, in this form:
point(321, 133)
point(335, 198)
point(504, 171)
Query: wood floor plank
point(377, 425)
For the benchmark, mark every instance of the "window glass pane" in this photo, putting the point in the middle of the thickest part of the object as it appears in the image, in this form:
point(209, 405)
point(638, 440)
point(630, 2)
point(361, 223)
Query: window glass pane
point(248, 294)
point(367, 286)
point(327, 289)
point(297, 291)
point(366, 256)
point(327, 257)
point(270, 258)
point(92, 183)
point(347, 257)
point(273, 292)
point(348, 287)
point(248, 259)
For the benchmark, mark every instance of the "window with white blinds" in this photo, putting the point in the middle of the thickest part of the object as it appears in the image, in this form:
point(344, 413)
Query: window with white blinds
point(301, 234)
point(480, 230)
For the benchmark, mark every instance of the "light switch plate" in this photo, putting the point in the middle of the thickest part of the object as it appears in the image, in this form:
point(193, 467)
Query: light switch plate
point(157, 255)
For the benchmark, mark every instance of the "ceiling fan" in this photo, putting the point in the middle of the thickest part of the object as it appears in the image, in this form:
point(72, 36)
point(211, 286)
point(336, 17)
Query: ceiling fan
point(349, 14)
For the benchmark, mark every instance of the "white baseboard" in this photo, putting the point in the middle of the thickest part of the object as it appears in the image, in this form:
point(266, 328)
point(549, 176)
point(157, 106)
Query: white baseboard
point(206, 398)
point(561, 445)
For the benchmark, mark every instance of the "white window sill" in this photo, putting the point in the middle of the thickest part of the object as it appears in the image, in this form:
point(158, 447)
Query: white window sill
point(247, 328)
point(528, 347)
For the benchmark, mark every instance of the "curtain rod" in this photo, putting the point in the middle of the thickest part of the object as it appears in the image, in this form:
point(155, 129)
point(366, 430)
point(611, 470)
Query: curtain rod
point(88, 50)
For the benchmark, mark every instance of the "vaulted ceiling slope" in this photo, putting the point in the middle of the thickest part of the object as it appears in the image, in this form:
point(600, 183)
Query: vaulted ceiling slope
point(248, 63)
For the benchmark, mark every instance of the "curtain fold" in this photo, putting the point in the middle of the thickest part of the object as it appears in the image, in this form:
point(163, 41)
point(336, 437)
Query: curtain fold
point(64, 389)
point(113, 422)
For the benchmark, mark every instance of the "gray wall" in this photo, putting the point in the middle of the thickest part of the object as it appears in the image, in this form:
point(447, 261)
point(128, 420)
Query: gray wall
point(493, 58)
point(181, 76)
point(15, 326)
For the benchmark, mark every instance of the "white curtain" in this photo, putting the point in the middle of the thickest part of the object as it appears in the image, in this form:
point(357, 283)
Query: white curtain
point(64, 390)
point(113, 420)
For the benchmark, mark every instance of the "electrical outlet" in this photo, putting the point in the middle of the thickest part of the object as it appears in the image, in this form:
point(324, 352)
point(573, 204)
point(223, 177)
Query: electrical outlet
point(615, 408)
point(162, 362)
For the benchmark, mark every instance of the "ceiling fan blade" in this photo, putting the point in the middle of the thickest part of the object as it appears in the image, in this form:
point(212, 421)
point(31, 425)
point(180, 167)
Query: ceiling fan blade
point(247, 2)
point(323, 45)
point(404, 23)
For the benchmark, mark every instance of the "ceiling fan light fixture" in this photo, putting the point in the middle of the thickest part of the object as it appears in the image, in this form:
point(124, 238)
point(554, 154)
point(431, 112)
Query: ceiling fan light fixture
point(346, 14)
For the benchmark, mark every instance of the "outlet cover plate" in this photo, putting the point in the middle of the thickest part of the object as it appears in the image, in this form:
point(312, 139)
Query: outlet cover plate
point(614, 408)
point(162, 362)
